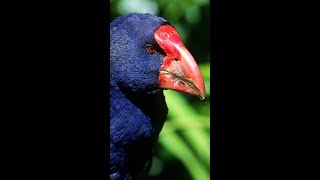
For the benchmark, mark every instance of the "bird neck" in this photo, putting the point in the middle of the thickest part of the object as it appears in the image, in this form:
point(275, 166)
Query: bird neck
point(139, 108)
point(135, 123)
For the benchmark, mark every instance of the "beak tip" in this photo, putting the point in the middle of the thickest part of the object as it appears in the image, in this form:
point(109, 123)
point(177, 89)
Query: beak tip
point(203, 94)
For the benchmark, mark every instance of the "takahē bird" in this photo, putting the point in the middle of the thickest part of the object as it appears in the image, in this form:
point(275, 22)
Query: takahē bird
point(146, 56)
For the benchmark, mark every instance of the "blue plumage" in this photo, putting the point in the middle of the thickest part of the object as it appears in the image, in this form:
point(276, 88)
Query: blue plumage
point(137, 106)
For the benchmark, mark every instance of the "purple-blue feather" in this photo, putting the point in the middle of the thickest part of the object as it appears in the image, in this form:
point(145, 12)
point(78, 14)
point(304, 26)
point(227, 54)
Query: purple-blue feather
point(137, 107)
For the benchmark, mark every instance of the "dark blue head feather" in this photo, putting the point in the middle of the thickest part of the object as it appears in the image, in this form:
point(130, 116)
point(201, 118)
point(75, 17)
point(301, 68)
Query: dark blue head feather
point(131, 66)
point(137, 107)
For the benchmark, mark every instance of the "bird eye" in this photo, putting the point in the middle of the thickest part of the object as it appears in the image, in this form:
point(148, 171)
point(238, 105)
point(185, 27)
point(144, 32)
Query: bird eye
point(150, 49)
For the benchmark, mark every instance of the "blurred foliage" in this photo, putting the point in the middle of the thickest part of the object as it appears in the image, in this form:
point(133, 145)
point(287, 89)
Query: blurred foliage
point(183, 150)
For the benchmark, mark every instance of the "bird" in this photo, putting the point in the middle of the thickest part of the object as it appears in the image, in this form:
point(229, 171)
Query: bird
point(147, 56)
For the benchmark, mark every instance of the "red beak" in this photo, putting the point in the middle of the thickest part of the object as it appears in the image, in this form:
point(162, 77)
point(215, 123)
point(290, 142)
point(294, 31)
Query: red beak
point(179, 70)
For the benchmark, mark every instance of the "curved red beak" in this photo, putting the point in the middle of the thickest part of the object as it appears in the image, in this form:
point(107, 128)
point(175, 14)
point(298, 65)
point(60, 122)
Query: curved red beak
point(179, 70)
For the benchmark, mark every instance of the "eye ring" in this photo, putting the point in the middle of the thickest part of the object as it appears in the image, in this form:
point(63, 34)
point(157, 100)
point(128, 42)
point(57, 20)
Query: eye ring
point(150, 49)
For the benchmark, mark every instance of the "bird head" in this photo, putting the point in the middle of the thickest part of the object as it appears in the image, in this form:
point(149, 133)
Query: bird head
point(147, 54)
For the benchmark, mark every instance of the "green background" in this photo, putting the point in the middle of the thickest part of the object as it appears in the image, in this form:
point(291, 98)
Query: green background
point(183, 149)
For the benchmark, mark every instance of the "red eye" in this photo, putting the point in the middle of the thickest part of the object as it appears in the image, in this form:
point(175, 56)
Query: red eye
point(150, 49)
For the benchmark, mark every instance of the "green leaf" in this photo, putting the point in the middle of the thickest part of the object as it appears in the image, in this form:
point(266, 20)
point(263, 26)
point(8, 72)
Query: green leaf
point(178, 148)
point(183, 116)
